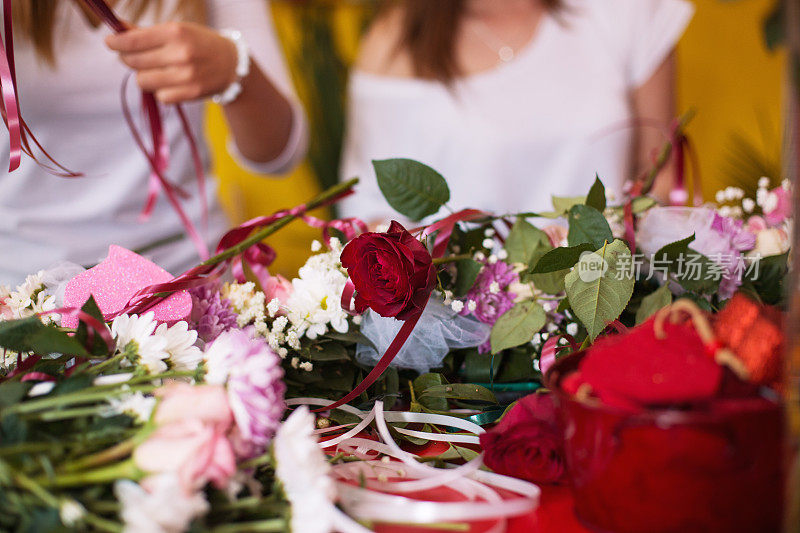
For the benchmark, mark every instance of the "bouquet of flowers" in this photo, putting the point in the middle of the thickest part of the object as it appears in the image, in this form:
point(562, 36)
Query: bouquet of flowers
point(124, 387)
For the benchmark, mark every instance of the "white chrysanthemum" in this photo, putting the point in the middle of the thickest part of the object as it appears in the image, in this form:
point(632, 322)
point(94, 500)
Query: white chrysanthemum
point(163, 508)
point(151, 349)
point(183, 354)
point(28, 299)
point(314, 305)
point(137, 405)
point(305, 474)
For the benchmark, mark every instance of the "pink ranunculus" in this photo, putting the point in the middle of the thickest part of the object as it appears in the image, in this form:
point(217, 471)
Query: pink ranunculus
point(557, 235)
point(779, 206)
point(277, 287)
point(197, 452)
point(206, 403)
point(192, 436)
point(755, 224)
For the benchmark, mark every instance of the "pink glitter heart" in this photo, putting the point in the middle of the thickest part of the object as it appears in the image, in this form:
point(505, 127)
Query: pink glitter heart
point(114, 282)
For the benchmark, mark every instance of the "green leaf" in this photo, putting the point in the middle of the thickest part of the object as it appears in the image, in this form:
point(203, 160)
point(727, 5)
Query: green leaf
point(588, 225)
point(517, 326)
point(413, 189)
point(769, 278)
point(692, 270)
point(98, 345)
point(458, 391)
point(31, 335)
point(467, 271)
point(550, 282)
point(774, 27)
point(425, 382)
point(597, 195)
point(326, 351)
point(12, 392)
point(479, 367)
point(654, 301)
point(523, 240)
point(600, 286)
point(640, 204)
point(562, 204)
point(561, 258)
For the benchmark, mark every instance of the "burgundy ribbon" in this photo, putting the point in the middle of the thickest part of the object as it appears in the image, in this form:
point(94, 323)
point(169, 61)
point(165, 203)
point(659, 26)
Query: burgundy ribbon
point(19, 134)
point(551, 348)
point(158, 157)
point(260, 254)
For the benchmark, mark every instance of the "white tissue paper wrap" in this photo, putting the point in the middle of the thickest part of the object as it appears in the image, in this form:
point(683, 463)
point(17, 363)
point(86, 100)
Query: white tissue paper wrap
point(439, 330)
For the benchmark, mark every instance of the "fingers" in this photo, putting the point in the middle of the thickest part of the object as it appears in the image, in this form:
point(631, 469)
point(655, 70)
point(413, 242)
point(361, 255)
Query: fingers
point(160, 78)
point(143, 39)
point(178, 94)
point(156, 58)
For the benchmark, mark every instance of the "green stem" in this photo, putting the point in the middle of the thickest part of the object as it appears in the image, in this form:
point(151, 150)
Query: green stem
point(263, 233)
point(65, 414)
point(665, 155)
point(83, 396)
point(96, 369)
point(273, 524)
point(261, 460)
point(450, 259)
point(124, 470)
point(123, 449)
point(26, 483)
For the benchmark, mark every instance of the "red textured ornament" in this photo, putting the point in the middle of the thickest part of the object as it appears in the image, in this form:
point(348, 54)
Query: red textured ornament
point(642, 368)
point(755, 334)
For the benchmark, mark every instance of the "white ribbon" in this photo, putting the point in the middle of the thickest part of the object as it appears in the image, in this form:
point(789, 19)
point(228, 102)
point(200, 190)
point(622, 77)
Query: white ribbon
point(380, 500)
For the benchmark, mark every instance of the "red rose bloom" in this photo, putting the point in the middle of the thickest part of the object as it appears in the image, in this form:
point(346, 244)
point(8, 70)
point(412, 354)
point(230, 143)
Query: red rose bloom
point(528, 443)
point(393, 272)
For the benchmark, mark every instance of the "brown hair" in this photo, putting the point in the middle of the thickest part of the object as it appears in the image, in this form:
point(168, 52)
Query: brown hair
point(36, 19)
point(429, 30)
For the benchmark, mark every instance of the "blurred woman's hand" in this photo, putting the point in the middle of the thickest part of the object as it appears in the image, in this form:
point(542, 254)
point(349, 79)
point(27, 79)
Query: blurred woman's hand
point(178, 61)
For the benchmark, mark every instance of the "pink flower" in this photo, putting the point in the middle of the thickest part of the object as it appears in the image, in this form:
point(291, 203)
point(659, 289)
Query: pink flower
point(253, 378)
point(191, 439)
point(277, 287)
point(755, 224)
point(206, 403)
point(778, 206)
point(557, 235)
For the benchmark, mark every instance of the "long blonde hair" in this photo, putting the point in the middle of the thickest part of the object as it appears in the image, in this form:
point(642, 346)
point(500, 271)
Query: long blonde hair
point(36, 19)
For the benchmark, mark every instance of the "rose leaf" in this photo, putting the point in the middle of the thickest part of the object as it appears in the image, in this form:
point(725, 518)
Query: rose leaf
point(412, 189)
point(517, 326)
point(600, 286)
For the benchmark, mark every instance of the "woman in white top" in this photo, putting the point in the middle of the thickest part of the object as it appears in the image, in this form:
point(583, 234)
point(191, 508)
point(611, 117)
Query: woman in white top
point(70, 70)
point(513, 100)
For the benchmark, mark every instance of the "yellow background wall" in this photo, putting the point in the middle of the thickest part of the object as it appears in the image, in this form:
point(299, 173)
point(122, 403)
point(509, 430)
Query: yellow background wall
point(725, 73)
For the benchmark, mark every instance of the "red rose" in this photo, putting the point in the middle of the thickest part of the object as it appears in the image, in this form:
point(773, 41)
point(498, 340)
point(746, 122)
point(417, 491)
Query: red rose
point(528, 443)
point(393, 272)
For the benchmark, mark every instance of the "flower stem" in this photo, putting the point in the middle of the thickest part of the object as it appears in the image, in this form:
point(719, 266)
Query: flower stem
point(259, 235)
point(272, 524)
point(123, 449)
point(108, 362)
point(450, 259)
point(124, 470)
point(90, 394)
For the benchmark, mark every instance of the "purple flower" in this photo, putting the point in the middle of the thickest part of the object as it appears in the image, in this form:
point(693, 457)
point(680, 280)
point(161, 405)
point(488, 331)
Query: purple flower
point(719, 238)
point(211, 313)
point(490, 295)
point(253, 377)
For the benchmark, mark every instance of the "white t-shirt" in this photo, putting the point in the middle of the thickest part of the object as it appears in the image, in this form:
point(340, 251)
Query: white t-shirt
point(543, 124)
point(74, 110)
